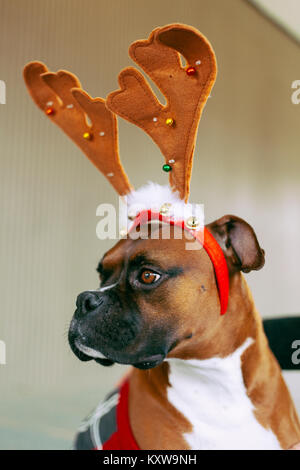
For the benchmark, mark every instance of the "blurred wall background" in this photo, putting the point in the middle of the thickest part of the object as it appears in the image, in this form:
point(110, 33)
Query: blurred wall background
point(246, 163)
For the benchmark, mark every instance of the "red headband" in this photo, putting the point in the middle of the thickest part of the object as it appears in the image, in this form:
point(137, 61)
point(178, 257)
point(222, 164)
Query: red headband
point(209, 243)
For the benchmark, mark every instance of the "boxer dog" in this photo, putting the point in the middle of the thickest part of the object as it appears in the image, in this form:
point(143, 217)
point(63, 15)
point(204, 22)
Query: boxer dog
point(199, 380)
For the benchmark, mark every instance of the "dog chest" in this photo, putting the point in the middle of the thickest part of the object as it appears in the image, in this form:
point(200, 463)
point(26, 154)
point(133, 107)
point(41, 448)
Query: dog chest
point(212, 396)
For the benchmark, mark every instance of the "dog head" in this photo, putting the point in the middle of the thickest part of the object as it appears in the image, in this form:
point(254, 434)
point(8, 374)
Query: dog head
point(155, 295)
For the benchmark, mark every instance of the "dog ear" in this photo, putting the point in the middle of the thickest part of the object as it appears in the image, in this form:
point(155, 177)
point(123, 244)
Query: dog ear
point(239, 243)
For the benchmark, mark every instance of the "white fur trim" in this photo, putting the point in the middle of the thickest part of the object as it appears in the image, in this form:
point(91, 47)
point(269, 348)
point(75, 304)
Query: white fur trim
point(153, 196)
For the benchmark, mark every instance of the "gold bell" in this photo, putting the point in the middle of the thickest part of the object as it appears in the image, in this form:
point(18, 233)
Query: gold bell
point(165, 208)
point(87, 136)
point(170, 122)
point(192, 222)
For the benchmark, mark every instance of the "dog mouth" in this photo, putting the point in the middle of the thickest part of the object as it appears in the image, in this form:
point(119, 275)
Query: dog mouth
point(150, 362)
point(86, 354)
point(92, 353)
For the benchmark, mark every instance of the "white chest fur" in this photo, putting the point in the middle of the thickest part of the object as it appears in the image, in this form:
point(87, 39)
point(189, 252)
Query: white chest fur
point(211, 394)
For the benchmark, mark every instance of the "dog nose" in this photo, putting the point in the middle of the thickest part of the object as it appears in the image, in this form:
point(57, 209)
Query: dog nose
point(88, 301)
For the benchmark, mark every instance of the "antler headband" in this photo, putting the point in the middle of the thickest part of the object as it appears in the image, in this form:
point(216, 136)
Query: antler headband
point(92, 125)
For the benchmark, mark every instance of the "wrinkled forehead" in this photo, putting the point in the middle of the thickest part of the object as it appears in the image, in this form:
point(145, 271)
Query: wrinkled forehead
point(157, 244)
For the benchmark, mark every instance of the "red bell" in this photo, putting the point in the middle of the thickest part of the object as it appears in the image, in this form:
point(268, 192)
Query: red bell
point(49, 111)
point(190, 71)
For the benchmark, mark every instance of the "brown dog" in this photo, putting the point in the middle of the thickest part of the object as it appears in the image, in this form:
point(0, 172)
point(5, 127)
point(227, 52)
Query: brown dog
point(213, 382)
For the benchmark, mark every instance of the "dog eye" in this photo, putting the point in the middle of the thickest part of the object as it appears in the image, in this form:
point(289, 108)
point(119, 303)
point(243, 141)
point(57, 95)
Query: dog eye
point(149, 277)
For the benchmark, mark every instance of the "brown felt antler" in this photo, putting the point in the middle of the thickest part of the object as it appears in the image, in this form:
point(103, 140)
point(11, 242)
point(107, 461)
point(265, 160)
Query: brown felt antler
point(85, 120)
point(174, 126)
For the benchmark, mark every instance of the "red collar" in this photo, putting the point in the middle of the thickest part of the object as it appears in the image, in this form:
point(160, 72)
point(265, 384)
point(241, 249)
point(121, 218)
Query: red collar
point(209, 243)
